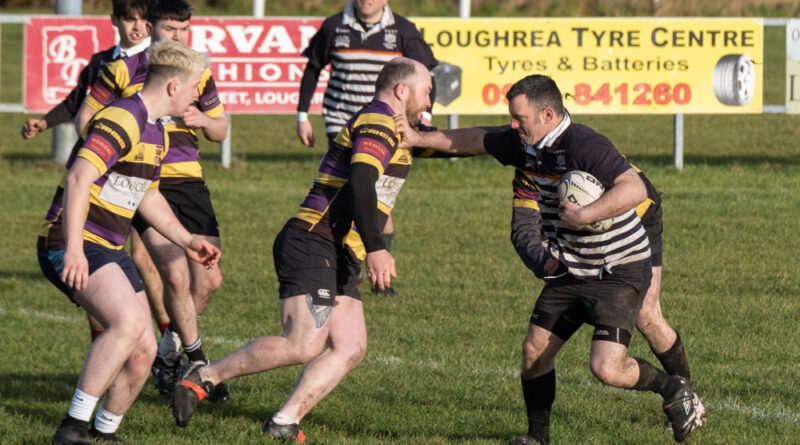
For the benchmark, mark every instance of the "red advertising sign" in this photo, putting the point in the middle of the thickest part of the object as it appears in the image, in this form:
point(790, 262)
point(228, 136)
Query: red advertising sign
point(257, 63)
point(56, 50)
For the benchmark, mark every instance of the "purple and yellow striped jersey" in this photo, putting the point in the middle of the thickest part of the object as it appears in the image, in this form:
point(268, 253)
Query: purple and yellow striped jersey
point(125, 77)
point(368, 137)
point(127, 150)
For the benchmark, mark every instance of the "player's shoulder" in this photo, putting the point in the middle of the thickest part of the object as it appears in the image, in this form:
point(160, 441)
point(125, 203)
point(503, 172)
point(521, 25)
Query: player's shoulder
point(103, 57)
point(129, 114)
point(331, 22)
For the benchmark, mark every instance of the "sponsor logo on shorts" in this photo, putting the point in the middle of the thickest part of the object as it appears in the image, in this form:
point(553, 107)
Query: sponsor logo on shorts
point(324, 293)
point(602, 332)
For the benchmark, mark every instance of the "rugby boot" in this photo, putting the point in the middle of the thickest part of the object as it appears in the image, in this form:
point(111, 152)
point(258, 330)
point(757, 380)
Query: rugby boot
point(680, 411)
point(72, 432)
point(106, 438)
point(166, 373)
point(525, 439)
point(191, 389)
point(700, 409)
point(220, 393)
point(284, 433)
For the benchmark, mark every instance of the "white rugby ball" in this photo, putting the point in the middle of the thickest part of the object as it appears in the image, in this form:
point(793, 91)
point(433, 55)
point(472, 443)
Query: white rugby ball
point(581, 188)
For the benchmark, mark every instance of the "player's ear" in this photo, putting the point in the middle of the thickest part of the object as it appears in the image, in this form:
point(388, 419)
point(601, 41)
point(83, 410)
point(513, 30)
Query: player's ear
point(548, 114)
point(172, 86)
point(401, 90)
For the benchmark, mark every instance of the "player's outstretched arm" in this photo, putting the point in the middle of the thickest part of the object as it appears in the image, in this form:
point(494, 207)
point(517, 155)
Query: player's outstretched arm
point(459, 142)
point(156, 211)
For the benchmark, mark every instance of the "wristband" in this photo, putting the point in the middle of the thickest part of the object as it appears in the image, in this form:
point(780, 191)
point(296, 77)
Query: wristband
point(302, 116)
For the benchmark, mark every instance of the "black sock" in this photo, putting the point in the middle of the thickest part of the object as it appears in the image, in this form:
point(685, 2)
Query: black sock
point(387, 240)
point(655, 380)
point(674, 359)
point(539, 394)
point(195, 351)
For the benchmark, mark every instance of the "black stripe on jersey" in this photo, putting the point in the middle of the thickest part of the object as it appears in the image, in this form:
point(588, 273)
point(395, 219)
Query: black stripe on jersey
point(346, 100)
point(117, 132)
point(144, 170)
point(108, 220)
point(381, 133)
point(180, 138)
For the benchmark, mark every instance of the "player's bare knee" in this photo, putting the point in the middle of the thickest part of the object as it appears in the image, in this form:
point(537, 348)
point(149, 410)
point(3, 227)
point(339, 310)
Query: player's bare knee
point(606, 370)
point(177, 283)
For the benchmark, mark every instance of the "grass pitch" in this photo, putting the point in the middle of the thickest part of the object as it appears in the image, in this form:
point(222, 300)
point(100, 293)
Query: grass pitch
point(442, 365)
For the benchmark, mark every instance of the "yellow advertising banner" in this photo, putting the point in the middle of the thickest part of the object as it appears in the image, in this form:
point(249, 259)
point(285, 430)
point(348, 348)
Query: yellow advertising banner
point(620, 66)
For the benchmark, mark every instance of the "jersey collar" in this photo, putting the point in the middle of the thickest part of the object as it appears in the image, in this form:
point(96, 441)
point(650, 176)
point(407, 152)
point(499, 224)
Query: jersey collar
point(550, 138)
point(135, 49)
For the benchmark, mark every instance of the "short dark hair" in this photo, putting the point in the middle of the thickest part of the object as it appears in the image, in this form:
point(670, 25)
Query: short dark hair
point(541, 92)
point(394, 72)
point(124, 9)
point(178, 10)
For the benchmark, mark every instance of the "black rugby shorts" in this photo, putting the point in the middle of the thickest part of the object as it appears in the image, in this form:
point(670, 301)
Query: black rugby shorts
point(611, 305)
point(308, 264)
point(191, 204)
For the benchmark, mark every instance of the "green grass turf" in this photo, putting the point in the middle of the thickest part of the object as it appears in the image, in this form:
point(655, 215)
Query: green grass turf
point(442, 365)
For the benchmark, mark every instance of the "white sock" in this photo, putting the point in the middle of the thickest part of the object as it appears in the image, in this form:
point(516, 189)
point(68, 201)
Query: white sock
point(106, 422)
point(283, 419)
point(82, 405)
point(169, 348)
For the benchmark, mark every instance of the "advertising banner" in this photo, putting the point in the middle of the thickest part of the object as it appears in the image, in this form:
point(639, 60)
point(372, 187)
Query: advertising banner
point(630, 65)
point(618, 66)
point(256, 63)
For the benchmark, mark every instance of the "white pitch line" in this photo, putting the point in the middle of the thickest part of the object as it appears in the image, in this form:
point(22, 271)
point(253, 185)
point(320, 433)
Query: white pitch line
point(727, 405)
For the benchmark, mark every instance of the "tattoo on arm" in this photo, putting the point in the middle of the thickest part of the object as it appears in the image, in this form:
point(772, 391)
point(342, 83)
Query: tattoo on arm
point(320, 313)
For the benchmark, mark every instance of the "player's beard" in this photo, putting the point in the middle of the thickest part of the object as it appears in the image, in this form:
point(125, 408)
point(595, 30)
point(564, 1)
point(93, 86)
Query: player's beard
point(413, 113)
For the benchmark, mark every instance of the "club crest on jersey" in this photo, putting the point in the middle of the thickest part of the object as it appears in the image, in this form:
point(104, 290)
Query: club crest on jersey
point(390, 41)
point(341, 41)
point(561, 160)
point(159, 155)
point(139, 154)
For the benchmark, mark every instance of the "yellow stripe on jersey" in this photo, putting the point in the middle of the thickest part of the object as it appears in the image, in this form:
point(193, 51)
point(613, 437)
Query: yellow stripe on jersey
point(376, 119)
point(384, 208)
point(526, 203)
point(189, 169)
point(308, 215)
point(122, 79)
point(217, 110)
point(353, 241)
point(330, 180)
point(368, 159)
point(641, 209)
point(95, 160)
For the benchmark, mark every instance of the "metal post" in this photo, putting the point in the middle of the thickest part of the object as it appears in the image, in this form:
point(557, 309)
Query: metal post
point(65, 135)
point(463, 12)
point(258, 8)
point(225, 146)
point(677, 145)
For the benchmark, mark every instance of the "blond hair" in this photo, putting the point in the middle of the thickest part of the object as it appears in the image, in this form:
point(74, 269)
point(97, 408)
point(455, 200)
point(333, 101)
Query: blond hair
point(170, 58)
